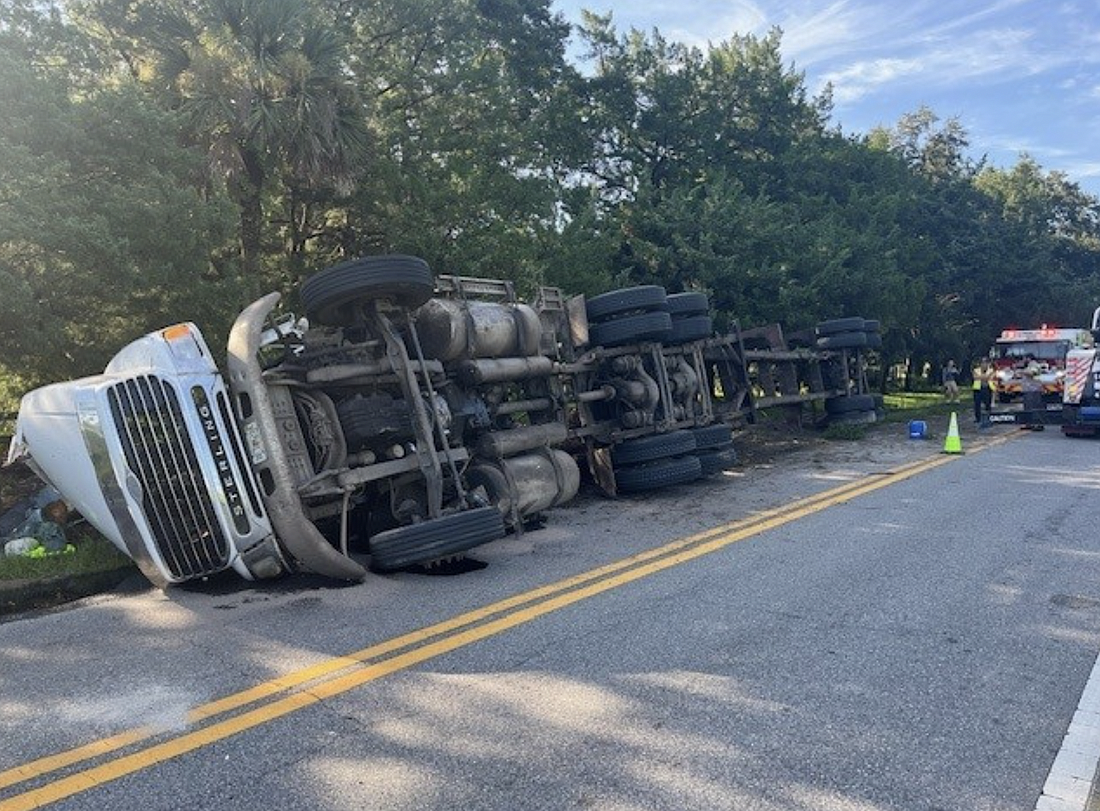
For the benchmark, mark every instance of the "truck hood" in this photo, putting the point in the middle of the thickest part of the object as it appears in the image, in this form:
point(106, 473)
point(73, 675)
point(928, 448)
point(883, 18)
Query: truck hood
point(55, 435)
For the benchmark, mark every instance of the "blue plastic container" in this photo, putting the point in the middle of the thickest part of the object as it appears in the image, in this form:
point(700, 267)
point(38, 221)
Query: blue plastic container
point(918, 429)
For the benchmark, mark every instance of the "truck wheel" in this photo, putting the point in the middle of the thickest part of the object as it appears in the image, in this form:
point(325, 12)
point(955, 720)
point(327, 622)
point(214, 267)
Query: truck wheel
point(849, 403)
point(833, 326)
point(689, 328)
point(648, 448)
point(658, 474)
point(715, 461)
point(853, 418)
point(712, 436)
point(654, 326)
point(843, 340)
point(334, 296)
point(625, 300)
point(453, 534)
point(682, 304)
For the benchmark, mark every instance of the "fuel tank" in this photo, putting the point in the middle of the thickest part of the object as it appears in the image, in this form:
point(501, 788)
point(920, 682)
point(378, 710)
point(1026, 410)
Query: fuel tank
point(528, 484)
point(450, 330)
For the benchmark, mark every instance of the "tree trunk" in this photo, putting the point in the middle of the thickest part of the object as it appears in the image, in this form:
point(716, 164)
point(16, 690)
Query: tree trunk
point(249, 199)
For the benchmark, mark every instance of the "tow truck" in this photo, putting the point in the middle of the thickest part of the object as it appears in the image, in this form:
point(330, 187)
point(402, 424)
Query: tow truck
point(1081, 395)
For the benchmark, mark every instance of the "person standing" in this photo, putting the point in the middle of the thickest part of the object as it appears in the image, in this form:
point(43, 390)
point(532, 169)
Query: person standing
point(1031, 391)
point(983, 389)
point(951, 382)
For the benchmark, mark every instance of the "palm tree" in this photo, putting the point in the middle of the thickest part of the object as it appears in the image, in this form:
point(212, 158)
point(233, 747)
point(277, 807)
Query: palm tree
point(263, 87)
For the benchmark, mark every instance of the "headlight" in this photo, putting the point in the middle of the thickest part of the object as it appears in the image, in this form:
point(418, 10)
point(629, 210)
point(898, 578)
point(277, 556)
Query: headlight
point(181, 340)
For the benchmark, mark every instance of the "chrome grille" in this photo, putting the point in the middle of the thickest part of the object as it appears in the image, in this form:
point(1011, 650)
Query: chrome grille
point(175, 498)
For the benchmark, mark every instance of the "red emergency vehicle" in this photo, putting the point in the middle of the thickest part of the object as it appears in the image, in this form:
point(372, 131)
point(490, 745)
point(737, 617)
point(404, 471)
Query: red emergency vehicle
point(1038, 353)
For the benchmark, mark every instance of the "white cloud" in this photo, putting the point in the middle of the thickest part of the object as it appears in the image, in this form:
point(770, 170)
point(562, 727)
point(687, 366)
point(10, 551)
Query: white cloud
point(1002, 55)
point(856, 81)
point(992, 11)
point(1082, 169)
point(1018, 144)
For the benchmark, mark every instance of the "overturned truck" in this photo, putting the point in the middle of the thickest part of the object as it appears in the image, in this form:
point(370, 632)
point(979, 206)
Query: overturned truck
point(408, 419)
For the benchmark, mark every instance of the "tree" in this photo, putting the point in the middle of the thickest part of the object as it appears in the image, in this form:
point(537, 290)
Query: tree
point(936, 152)
point(690, 149)
point(472, 104)
point(263, 87)
point(89, 188)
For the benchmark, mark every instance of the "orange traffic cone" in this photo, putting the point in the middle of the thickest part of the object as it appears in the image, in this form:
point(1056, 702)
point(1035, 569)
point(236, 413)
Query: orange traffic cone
point(953, 443)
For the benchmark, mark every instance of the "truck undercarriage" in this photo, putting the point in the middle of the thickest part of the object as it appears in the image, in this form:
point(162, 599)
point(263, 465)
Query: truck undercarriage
point(412, 419)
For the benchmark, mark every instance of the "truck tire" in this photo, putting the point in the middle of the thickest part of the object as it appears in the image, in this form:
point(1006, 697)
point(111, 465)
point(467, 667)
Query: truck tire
point(659, 474)
point(649, 448)
point(712, 436)
point(655, 326)
point(334, 296)
point(715, 461)
point(626, 300)
point(682, 304)
point(452, 534)
point(833, 326)
point(376, 420)
point(854, 418)
point(849, 403)
point(689, 328)
point(843, 340)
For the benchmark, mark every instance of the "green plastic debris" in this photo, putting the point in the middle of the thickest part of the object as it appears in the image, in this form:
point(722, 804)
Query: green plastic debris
point(42, 552)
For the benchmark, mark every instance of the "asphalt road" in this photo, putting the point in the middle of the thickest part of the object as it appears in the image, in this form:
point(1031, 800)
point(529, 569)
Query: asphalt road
point(850, 630)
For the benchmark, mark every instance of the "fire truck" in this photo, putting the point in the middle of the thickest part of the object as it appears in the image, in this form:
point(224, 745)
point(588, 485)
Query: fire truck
point(1039, 352)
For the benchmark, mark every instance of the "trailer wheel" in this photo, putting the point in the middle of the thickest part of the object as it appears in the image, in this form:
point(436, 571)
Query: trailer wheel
point(334, 296)
point(689, 328)
point(712, 436)
point(654, 326)
point(649, 448)
point(843, 340)
point(452, 534)
point(715, 461)
point(833, 326)
point(626, 300)
point(681, 304)
point(851, 402)
point(658, 474)
point(854, 418)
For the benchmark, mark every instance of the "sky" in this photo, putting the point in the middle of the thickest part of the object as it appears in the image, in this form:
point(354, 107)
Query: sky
point(1021, 76)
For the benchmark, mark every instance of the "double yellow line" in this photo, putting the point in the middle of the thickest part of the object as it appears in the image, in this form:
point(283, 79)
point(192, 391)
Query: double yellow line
point(333, 677)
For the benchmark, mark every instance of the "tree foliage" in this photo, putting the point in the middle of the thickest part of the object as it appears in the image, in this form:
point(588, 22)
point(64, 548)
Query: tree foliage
point(103, 234)
point(163, 159)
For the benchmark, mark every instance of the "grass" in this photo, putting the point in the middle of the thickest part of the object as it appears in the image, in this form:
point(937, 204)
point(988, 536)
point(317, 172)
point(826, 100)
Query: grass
point(901, 407)
point(94, 553)
point(908, 405)
point(845, 431)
